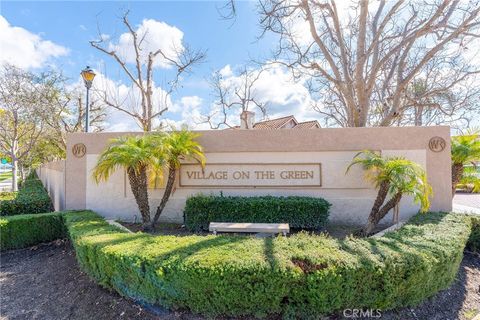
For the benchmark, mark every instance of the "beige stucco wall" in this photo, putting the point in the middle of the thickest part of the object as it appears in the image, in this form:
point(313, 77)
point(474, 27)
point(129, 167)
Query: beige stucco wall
point(52, 176)
point(333, 149)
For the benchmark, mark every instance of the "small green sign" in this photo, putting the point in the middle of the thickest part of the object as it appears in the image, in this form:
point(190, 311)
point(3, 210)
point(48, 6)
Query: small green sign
point(4, 161)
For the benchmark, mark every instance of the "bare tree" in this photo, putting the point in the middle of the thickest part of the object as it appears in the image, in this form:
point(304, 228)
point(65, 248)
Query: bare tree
point(364, 63)
point(427, 102)
point(67, 113)
point(23, 98)
point(142, 73)
point(234, 96)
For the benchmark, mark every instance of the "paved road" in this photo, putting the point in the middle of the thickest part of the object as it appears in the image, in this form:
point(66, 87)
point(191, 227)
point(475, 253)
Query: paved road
point(6, 185)
point(467, 202)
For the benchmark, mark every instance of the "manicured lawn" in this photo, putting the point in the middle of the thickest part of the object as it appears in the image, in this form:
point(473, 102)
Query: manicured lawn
point(5, 175)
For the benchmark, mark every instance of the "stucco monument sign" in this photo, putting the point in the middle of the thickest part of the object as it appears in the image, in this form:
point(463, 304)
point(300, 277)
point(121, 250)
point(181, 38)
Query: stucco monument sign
point(437, 144)
point(300, 162)
point(79, 150)
point(250, 175)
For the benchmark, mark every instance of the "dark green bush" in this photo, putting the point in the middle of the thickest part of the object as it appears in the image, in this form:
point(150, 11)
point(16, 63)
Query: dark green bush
point(299, 212)
point(298, 277)
point(21, 231)
point(31, 198)
point(473, 243)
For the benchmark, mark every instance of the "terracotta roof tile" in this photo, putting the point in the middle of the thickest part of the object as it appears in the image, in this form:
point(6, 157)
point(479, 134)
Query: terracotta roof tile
point(274, 123)
point(279, 123)
point(307, 125)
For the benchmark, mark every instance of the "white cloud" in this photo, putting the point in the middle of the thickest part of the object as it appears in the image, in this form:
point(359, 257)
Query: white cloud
point(24, 49)
point(127, 97)
point(276, 89)
point(226, 71)
point(156, 35)
point(189, 112)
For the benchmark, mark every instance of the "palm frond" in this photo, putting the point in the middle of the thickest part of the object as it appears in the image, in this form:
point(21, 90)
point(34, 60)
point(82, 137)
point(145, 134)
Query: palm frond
point(131, 153)
point(466, 148)
point(403, 176)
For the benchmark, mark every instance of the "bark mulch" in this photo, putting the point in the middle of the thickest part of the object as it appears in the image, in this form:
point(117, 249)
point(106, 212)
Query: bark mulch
point(44, 282)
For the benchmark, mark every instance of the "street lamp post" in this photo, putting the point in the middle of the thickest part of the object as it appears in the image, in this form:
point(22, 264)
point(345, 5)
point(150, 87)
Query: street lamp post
point(87, 75)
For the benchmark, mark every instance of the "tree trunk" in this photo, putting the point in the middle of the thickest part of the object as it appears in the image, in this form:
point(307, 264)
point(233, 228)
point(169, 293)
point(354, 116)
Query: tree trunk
point(381, 196)
point(375, 218)
point(139, 186)
point(457, 173)
point(14, 174)
point(166, 193)
point(22, 173)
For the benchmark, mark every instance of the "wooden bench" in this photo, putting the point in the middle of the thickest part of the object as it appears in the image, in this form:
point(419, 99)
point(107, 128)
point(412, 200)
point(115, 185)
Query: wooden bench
point(282, 228)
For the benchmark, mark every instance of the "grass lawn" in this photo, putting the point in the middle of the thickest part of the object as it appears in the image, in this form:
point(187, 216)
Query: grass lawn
point(5, 175)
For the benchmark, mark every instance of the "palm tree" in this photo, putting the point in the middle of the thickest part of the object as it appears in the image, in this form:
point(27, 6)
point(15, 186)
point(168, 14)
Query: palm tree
point(470, 180)
point(394, 176)
point(465, 149)
point(139, 156)
point(177, 146)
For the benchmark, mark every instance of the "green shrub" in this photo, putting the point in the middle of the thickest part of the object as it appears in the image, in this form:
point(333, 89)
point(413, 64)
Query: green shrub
point(21, 231)
point(299, 212)
point(298, 277)
point(31, 198)
point(7, 196)
point(473, 243)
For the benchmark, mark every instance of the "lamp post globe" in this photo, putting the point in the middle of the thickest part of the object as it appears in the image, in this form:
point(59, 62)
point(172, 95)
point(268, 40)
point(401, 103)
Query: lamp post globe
point(88, 75)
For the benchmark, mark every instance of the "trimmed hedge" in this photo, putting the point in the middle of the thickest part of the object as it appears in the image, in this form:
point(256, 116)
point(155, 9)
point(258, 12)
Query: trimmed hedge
point(31, 198)
point(473, 243)
point(302, 276)
point(21, 231)
point(299, 212)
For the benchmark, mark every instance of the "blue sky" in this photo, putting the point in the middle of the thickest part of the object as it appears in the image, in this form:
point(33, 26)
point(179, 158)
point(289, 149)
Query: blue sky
point(40, 34)
point(70, 25)
point(73, 24)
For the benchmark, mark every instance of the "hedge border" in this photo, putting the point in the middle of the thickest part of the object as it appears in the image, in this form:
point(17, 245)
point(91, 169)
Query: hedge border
point(25, 230)
point(307, 213)
point(473, 243)
point(32, 198)
point(245, 276)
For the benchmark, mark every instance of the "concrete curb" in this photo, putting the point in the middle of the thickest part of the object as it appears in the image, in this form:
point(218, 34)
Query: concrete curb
point(389, 229)
point(458, 208)
point(118, 225)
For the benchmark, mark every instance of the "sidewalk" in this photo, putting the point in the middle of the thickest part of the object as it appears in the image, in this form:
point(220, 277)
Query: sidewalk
point(467, 203)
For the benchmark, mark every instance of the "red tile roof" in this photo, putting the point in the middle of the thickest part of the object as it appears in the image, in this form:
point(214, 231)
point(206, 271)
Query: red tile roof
point(280, 123)
point(274, 123)
point(313, 124)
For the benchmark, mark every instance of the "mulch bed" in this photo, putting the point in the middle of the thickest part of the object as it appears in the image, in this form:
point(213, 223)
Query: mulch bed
point(460, 301)
point(44, 282)
point(334, 230)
